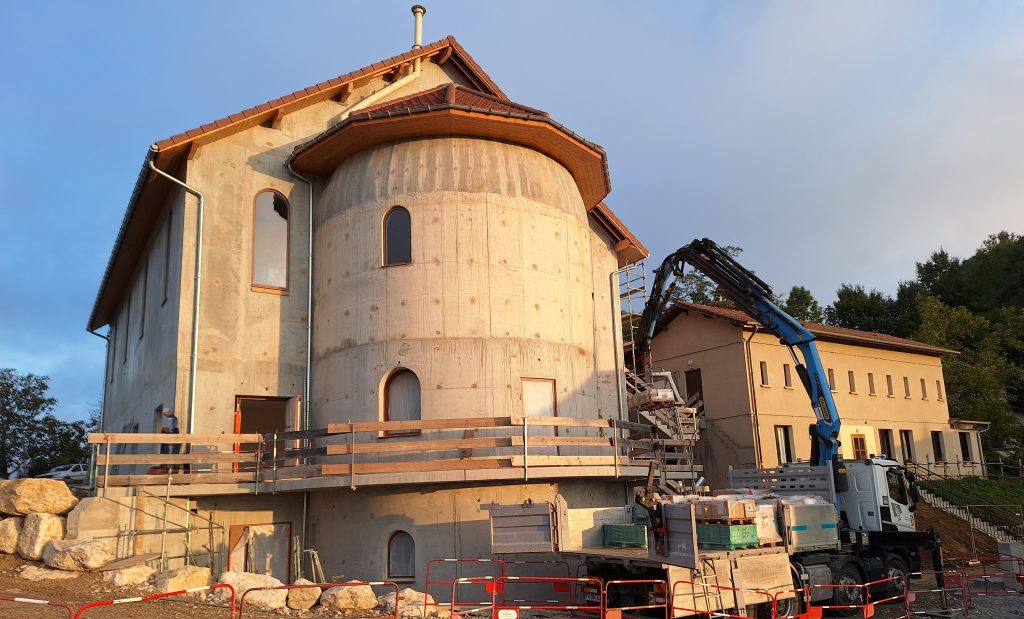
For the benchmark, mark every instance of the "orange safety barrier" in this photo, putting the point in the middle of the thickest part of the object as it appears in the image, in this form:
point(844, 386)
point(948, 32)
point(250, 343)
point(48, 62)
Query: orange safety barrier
point(804, 595)
point(711, 592)
point(501, 609)
point(991, 575)
point(867, 605)
point(951, 592)
point(160, 596)
point(496, 567)
point(459, 607)
point(64, 605)
point(394, 615)
point(656, 594)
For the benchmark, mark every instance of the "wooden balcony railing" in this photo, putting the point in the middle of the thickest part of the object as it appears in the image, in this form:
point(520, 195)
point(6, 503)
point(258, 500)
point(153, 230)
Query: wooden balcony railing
point(381, 453)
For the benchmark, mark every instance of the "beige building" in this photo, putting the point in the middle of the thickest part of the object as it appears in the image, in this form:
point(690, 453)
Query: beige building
point(889, 392)
point(399, 245)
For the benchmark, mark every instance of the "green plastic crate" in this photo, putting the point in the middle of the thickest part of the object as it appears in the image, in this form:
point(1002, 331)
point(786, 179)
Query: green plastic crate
point(726, 536)
point(625, 536)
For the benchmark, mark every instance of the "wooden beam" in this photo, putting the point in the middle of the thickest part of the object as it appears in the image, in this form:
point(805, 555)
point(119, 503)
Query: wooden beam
point(567, 461)
point(275, 120)
point(465, 464)
point(128, 438)
point(178, 480)
point(192, 458)
point(445, 56)
point(193, 150)
point(343, 94)
point(422, 424)
point(416, 446)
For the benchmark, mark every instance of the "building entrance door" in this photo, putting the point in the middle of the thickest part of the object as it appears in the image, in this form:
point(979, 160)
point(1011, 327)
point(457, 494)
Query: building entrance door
point(264, 415)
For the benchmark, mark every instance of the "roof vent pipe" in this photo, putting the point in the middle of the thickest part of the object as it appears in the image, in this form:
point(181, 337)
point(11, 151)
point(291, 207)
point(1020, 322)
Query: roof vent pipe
point(419, 11)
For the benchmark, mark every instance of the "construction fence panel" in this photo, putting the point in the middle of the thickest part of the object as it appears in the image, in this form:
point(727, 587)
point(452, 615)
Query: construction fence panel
point(644, 596)
point(886, 591)
point(803, 594)
point(27, 603)
point(325, 586)
point(718, 600)
point(447, 580)
point(229, 610)
point(936, 593)
point(506, 605)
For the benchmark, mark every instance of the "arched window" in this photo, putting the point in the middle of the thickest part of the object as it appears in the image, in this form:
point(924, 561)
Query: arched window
point(397, 237)
point(402, 400)
point(270, 241)
point(401, 556)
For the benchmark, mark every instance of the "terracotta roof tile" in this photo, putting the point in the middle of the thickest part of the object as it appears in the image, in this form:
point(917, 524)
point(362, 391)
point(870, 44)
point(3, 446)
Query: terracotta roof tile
point(453, 94)
point(821, 330)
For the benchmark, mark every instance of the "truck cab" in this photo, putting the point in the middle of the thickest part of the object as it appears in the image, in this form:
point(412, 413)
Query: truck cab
point(877, 497)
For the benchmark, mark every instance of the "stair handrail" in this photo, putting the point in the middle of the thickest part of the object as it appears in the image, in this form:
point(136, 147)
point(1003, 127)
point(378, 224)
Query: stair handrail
point(966, 499)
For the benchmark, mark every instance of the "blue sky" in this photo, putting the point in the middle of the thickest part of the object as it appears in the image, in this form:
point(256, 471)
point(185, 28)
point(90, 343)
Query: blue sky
point(834, 141)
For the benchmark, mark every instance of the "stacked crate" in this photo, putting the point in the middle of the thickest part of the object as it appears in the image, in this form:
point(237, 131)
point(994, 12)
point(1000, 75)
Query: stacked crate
point(726, 524)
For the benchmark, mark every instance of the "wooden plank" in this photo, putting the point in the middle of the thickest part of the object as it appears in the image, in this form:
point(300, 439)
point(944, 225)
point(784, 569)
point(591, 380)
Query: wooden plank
point(127, 438)
point(130, 561)
point(177, 480)
point(608, 460)
point(193, 458)
point(300, 434)
point(417, 446)
point(562, 421)
point(465, 464)
point(420, 424)
point(291, 472)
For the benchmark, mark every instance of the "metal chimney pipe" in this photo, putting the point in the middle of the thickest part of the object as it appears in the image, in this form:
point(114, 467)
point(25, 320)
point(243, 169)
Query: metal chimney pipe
point(419, 11)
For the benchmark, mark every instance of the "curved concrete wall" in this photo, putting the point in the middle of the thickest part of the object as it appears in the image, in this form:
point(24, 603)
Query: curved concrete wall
point(501, 286)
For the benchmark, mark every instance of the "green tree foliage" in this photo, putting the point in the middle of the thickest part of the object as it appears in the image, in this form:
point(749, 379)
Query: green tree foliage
point(695, 287)
point(800, 303)
point(29, 432)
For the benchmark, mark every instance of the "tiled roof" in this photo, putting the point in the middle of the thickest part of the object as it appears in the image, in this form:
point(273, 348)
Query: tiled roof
point(451, 94)
point(822, 331)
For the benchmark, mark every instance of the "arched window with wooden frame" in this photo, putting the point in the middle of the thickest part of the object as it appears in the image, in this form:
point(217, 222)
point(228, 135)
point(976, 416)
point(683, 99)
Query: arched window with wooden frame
point(270, 241)
point(401, 395)
point(397, 237)
point(401, 556)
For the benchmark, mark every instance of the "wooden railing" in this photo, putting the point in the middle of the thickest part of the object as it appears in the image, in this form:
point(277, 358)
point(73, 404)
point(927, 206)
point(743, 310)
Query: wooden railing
point(380, 453)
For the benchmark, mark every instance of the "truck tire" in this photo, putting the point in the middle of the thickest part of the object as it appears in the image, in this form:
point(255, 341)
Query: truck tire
point(849, 592)
point(895, 567)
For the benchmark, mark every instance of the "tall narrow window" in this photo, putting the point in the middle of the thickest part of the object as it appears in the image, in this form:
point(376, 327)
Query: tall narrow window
point(764, 373)
point(402, 400)
point(938, 447)
point(888, 385)
point(907, 445)
point(397, 237)
point(784, 444)
point(906, 387)
point(860, 446)
point(167, 254)
point(145, 293)
point(853, 382)
point(938, 390)
point(965, 447)
point(885, 442)
point(871, 384)
point(924, 389)
point(270, 241)
point(787, 376)
point(831, 379)
point(401, 556)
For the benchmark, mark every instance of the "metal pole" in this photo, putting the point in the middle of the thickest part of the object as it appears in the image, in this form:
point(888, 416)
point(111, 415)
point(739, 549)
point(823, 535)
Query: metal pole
point(615, 445)
point(970, 525)
point(526, 450)
point(352, 457)
point(106, 468)
point(163, 531)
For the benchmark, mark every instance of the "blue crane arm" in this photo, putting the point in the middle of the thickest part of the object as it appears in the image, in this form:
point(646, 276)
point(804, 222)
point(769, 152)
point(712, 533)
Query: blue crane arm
point(754, 297)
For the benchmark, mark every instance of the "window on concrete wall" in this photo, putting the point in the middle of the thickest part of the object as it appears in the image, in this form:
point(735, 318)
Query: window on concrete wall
point(907, 445)
point(888, 385)
point(401, 556)
point(853, 381)
point(764, 373)
point(270, 241)
point(402, 400)
point(924, 389)
point(860, 446)
point(885, 442)
point(784, 444)
point(397, 237)
point(831, 380)
point(787, 375)
point(965, 446)
point(938, 390)
point(871, 384)
point(937, 446)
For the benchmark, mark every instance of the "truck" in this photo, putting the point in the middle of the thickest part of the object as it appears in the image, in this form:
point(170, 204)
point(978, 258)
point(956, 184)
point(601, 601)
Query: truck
point(864, 532)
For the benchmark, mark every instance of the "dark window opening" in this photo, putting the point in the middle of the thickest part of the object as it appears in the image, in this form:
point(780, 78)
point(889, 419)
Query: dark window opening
point(401, 555)
point(397, 237)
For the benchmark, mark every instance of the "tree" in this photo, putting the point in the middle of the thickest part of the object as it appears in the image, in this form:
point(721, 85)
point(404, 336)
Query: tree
point(801, 304)
point(695, 287)
point(855, 308)
point(23, 400)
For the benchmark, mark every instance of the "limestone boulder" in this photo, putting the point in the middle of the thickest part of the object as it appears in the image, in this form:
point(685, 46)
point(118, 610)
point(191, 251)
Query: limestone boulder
point(31, 572)
point(78, 555)
point(262, 600)
point(410, 604)
point(303, 599)
point(37, 531)
point(21, 497)
point(183, 578)
point(353, 597)
point(130, 576)
point(10, 530)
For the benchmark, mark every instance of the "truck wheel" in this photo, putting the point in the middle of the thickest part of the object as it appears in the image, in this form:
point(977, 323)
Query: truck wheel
point(895, 567)
point(849, 592)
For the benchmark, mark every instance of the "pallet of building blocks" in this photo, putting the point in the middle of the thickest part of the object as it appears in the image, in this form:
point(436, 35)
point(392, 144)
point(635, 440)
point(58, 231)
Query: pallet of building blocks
point(727, 511)
point(726, 536)
point(625, 536)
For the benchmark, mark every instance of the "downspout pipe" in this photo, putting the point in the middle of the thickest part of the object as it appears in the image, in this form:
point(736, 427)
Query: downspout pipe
point(753, 398)
point(194, 353)
point(308, 385)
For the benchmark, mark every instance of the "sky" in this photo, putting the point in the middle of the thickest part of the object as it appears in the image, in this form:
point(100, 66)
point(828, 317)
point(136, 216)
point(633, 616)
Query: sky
point(835, 142)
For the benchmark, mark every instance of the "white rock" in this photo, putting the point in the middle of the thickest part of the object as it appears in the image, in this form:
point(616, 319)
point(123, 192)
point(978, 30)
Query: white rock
point(78, 555)
point(411, 603)
point(10, 530)
point(354, 597)
point(183, 578)
point(263, 600)
point(303, 599)
point(31, 572)
point(22, 497)
point(37, 531)
point(130, 576)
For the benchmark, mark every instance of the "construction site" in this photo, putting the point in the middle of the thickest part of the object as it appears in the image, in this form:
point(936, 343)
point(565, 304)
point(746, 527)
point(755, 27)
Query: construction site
point(380, 348)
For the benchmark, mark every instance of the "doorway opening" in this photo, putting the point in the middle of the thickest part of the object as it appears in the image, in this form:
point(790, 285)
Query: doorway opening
point(265, 415)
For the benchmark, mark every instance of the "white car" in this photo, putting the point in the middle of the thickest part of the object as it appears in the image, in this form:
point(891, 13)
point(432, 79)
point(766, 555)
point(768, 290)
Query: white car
point(70, 473)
